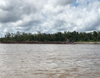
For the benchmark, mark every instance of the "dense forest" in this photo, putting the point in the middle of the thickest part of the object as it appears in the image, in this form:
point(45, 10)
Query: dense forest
point(43, 37)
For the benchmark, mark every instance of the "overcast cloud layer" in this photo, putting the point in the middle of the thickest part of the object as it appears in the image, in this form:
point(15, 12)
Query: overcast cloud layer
point(49, 16)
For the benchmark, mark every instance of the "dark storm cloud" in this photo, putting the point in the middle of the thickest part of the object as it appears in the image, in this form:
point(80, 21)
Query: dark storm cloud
point(61, 2)
point(10, 17)
point(59, 23)
point(30, 23)
point(13, 11)
point(93, 25)
point(27, 28)
point(65, 2)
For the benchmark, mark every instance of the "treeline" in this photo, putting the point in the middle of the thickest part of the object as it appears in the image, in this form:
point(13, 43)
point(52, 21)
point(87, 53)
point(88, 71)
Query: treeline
point(43, 37)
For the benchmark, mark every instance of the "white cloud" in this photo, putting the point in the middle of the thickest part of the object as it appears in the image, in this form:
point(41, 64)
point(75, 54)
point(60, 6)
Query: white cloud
point(49, 16)
point(60, 2)
point(0, 25)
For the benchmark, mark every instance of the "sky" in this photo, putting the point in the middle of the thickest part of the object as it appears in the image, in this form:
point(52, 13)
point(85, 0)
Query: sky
point(49, 16)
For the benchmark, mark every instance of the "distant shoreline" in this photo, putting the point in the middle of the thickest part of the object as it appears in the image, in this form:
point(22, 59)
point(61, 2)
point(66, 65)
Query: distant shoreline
point(87, 42)
point(49, 43)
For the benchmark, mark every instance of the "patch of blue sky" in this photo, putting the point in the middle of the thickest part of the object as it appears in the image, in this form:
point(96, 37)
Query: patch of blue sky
point(87, 2)
point(75, 4)
point(43, 15)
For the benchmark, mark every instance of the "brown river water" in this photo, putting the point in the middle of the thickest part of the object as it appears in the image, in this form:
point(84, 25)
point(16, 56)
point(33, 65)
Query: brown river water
point(49, 61)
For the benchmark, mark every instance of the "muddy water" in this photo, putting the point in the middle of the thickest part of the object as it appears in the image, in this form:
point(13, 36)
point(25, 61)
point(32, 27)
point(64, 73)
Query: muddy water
point(49, 61)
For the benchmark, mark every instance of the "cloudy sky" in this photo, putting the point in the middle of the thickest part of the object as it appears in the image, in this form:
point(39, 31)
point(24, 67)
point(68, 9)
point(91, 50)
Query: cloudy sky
point(49, 16)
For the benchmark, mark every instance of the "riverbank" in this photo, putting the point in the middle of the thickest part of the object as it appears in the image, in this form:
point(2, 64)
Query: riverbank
point(35, 42)
point(50, 42)
point(87, 42)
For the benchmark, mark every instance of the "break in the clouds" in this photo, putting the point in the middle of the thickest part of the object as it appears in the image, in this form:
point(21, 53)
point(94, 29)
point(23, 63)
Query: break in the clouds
point(49, 16)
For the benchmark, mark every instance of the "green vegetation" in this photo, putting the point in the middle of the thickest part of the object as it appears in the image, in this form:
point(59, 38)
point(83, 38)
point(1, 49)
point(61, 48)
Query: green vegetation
point(43, 37)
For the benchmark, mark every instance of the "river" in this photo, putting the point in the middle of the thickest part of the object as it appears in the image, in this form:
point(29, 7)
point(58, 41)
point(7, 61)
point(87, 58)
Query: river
point(49, 61)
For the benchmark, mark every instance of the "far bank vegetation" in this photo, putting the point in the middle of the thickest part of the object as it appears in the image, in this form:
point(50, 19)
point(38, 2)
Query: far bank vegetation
point(56, 37)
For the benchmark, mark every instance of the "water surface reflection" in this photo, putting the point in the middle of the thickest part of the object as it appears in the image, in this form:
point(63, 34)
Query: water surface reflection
point(49, 61)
